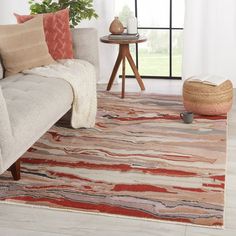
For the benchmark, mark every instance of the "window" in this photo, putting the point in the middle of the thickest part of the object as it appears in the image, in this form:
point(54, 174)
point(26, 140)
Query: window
point(161, 21)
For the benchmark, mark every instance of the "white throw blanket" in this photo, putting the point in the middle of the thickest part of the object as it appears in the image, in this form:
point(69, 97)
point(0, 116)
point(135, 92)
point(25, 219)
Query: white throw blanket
point(81, 76)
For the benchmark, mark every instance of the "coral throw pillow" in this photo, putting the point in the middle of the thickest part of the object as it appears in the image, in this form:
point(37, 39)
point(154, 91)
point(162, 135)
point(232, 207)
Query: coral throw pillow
point(57, 33)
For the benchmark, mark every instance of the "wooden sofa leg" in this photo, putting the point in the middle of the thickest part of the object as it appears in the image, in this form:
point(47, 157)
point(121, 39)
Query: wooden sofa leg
point(15, 170)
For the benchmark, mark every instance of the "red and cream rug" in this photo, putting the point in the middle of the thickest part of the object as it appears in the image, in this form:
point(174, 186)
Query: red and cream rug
point(139, 161)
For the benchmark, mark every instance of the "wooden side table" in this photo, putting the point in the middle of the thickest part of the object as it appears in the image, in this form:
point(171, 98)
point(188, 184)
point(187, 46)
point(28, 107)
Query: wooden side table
point(124, 53)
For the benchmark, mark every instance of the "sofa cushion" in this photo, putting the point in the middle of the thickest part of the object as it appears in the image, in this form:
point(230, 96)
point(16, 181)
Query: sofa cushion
point(23, 46)
point(34, 104)
point(57, 32)
point(31, 99)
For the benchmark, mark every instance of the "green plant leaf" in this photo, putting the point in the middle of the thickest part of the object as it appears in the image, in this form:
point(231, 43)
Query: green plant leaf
point(79, 9)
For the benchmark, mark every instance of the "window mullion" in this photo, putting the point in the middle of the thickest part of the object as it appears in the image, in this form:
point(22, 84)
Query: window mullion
point(136, 46)
point(170, 46)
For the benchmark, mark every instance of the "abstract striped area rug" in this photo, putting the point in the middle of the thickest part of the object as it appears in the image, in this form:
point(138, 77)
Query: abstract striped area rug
point(140, 160)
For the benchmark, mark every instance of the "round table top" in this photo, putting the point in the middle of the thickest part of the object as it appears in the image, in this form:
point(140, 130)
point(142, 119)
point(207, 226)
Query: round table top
point(140, 39)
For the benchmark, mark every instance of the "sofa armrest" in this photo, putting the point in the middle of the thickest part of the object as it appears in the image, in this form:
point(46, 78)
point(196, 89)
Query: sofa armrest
point(85, 46)
point(6, 137)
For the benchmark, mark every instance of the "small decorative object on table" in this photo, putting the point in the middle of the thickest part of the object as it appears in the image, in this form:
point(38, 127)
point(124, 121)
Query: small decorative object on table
point(123, 36)
point(116, 27)
point(206, 96)
point(187, 117)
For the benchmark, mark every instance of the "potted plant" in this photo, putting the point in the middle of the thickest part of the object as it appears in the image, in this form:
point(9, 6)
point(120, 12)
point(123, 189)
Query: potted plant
point(79, 9)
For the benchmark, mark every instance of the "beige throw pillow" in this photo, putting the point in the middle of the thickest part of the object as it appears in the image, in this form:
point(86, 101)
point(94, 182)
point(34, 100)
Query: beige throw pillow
point(23, 46)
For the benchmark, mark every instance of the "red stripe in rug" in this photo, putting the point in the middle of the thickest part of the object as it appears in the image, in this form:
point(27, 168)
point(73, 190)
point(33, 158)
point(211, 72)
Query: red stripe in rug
point(139, 188)
point(222, 185)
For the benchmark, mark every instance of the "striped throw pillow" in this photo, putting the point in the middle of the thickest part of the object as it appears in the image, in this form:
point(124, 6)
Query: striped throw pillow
point(23, 46)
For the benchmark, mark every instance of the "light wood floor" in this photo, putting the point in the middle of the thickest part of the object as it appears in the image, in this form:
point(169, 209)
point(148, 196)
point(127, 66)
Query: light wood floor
point(27, 221)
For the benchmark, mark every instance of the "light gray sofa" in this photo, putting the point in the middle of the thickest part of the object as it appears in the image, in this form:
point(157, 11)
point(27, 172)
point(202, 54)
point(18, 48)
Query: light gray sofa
point(30, 105)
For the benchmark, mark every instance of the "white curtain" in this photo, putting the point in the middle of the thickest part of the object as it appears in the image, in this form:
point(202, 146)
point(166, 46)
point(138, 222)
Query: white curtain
point(210, 38)
point(106, 10)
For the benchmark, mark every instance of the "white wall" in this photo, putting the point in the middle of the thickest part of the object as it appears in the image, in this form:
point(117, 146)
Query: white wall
point(8, 7)
point(105, 10)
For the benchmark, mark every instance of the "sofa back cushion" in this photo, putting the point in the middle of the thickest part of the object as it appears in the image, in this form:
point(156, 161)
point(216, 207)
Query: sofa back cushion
point(57, 33)
point(23, 46)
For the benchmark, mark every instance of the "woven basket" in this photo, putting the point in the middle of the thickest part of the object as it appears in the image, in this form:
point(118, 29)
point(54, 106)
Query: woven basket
point(206, 99)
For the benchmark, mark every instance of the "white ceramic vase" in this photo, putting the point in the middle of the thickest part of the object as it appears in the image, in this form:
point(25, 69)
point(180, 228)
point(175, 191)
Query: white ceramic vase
point(132, 24)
